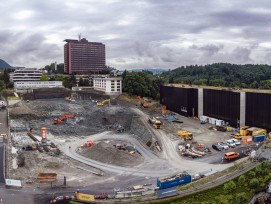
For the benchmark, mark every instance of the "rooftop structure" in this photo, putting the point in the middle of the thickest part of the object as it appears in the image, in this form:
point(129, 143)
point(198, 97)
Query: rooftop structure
point(83, 57)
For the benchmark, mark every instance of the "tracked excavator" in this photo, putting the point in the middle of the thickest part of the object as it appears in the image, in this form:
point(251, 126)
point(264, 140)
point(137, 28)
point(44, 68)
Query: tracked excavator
point(103, 102)
point(63, 118)
point(142, 102)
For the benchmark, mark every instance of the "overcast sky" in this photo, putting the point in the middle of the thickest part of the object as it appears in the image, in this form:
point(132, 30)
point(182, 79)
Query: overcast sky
point(138, 34)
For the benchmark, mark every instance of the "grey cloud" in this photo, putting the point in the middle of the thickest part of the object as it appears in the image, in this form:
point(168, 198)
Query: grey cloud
point(147, 32)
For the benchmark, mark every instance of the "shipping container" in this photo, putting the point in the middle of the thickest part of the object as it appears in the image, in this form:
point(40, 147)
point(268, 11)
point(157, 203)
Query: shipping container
point(176, 180)
point(220, 122)
point(259, 138)
point(84, 197)
point(247, 140)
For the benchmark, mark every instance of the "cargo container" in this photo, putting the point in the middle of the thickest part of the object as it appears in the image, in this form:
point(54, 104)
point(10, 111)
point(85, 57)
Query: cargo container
point(259, 138)
point(220, 122)
point(247, 140)
point(176, 180)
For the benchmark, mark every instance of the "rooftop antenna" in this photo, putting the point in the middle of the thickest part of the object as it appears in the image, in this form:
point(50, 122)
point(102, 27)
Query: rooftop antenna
point(79, 36)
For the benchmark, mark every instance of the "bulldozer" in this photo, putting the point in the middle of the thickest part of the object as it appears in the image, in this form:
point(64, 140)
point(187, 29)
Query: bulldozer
point(63, 118)
point(103, 102)
point(186, 135)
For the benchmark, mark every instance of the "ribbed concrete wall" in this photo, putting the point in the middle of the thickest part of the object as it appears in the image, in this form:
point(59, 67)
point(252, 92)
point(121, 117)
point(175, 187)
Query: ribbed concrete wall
point(242, 108)
point(200, 102)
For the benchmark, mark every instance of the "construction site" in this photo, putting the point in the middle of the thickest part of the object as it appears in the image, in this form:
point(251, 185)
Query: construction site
point(84, 141)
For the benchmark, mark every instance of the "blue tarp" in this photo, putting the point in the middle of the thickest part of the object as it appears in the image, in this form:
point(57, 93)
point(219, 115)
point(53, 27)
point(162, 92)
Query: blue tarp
point(172, 118)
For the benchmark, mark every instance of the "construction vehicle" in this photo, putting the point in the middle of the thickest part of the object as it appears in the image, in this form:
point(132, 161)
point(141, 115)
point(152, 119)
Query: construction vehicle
point(155, 123)
point(103, 102)
point(186, 135)
point(89, 143)
point(70, 99)
point(63, 118)
point(164, 110)
point(142, 102)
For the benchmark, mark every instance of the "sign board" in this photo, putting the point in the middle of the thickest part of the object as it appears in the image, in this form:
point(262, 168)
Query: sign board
point(12, 182)
point(167, 192)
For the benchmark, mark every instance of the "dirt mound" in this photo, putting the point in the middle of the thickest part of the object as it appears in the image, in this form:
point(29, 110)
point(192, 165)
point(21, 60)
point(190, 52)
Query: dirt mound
point(107, 153)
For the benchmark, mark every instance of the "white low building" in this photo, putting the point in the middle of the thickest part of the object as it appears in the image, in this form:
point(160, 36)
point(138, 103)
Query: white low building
point(26, 74)
point(37, 84)
point(109, 85)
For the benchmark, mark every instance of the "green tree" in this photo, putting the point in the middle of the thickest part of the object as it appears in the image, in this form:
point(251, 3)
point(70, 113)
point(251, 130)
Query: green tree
point(241, 198)
point(44, 77)
point(6, 77)
point(230, 186)
point(251, 174)
point(254, 183)
point(241, 180)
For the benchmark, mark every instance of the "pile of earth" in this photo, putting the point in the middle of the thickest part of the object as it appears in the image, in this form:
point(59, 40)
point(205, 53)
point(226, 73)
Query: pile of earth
point(107, 153)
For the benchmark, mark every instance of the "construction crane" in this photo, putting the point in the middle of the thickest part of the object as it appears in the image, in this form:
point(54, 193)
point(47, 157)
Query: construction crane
point(103, 102)
point(63, 118)
point(142, 102)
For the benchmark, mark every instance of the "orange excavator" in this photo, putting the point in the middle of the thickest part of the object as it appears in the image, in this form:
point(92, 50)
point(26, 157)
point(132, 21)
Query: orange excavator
point(142, 102)
point(63, 118)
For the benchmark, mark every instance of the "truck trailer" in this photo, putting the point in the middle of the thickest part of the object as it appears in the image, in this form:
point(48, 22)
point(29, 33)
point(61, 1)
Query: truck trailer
point(176, 180)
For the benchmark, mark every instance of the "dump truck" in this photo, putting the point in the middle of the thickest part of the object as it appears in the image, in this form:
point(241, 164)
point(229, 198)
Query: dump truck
point(186, 135)
point(63, 118)
point(103, 102)
point(155, 123)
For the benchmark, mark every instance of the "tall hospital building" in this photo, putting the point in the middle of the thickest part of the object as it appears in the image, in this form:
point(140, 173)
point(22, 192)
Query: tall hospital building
point(83, 57)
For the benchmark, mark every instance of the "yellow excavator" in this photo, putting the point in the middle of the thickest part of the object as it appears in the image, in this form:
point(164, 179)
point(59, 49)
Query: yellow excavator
point(103, 102)
point(185, 134)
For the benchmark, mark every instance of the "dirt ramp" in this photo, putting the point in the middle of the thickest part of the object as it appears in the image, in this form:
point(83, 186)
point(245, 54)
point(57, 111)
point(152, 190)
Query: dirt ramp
point(107, 153)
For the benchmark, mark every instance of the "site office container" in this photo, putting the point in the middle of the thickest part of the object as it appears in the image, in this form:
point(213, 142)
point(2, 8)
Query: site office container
point(259, 138)
point(174, 182)
point(247, 140)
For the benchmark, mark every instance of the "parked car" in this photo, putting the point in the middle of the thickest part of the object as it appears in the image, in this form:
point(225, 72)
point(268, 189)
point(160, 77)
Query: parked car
point(217, 147)
point(237, 142)
point(223, 145)
point(231, 143)
point(231, 155)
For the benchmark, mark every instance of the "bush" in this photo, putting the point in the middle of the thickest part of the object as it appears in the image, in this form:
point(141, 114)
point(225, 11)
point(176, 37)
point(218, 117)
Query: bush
point(251, 174)
point(242, 180)
point(254, 183)
point(241, 198)
point(258, 170)
point(230, 186)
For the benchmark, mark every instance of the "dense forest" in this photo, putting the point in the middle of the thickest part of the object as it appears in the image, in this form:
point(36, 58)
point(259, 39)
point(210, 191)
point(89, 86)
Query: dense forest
point(222, 74)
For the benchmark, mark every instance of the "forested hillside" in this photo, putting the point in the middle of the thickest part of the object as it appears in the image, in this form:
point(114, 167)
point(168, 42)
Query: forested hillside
point(222, 74)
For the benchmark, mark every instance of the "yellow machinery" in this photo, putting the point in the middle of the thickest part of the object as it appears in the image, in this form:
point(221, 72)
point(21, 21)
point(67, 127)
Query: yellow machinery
point(155, 123)
point(244, 130)
point(185, 134)
point(103, 102)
